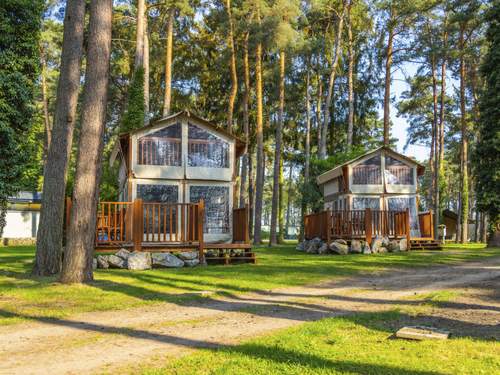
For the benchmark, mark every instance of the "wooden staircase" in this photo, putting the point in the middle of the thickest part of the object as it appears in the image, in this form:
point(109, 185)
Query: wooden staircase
point(425, 244)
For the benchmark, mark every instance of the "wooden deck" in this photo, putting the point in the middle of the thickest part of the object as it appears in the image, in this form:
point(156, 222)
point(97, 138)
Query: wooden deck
point(167, 227)
point(367, 224)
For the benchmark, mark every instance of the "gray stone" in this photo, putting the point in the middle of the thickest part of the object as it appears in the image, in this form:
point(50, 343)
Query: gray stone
point(366, 249)
point(139, 261)
point(191, 262)
point(188, 255)
point(403, 244)
point(356, 247)
point(341, 241)
point(376, 244)
point(382, 249)
point(385, 241)
point(211, 253)
point(166, 260)
point(339, 248)
point(94, 263)
point(323, 249)
point(116, 262)
point(312, 247)
point(102, 262)
point(237, 252)
point(124, 254)
point(393, 246)
point(301, 246)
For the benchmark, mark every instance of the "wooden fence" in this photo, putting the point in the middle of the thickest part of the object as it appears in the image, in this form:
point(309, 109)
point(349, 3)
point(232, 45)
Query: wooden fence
point(357, 224)
point(426, 223)
point(240, 225)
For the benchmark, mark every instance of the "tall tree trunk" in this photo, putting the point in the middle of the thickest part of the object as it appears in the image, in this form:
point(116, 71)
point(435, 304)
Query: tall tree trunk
point(50, 231)
point(251, 191)
point(281, 205)
point(77, 265)
point(259, 188)
point(333, 70)
point(139, 36)
point(319, 101)
point(288, 203)
point(464, 182)
point(350, 56)
point(484, 228)
point(273, 238)
point(168, 63)
point(435, 143)
point(246, 125)
point(45, 104)
point(387, 89)
point(146, 68)
point(234, 75)
point(440, 142)
point(307, 155)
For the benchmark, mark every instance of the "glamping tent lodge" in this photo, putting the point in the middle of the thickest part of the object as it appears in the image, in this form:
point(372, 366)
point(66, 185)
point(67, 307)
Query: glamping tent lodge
point(372, 195)
point(176, 182)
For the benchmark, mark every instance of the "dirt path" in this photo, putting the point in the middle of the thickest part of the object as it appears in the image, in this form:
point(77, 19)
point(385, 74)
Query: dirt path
point(102, 341)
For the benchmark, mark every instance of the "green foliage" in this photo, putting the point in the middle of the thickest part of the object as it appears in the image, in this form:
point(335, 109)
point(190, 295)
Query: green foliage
point(20, 22)
point(486, 157)
point(312, 193)
point(134, 115)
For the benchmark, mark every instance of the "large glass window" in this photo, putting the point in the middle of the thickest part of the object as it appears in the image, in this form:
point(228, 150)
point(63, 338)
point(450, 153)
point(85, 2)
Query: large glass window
point(361, 203)
point(401, 204)
point(163, 147)
point(367, 172)
point(206, 149)
point(397, 173)
point(158, 193)
point(216, 207)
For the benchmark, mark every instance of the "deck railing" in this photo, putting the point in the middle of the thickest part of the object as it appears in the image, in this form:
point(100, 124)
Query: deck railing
point(240, 225)
point(361, 224)
point(426, 224)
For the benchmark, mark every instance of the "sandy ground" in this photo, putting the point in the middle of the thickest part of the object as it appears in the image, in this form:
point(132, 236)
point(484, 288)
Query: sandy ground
point(104, 341)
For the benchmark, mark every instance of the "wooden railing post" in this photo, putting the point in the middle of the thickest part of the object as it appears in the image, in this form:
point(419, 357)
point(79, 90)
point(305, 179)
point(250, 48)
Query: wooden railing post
point(368, 226)
point(138, 224)
point(407, 225)
point(431, 219)
point(201, 218)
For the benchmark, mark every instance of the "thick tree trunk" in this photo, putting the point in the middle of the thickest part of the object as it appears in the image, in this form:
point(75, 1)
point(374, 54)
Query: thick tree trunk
point(333, 70)
point(139, 36)
point(246, 124)
point(146, 68)
point(387, 89)
point(275, 208)
point(251, 191)
point(259, 188)
point(77, 265)
point(45, 105)
point(50, 232)
point(168, 63)
point(307, 148)
point(464, 182)
point(484, 228)
point(232, 64)
point(435, 143)
point(350, 85)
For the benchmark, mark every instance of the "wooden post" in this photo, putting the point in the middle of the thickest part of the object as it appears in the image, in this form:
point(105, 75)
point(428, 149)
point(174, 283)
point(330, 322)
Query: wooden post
point(138, 224)
point(328, 225)
point(246, 231)
point(407, 225)
point(368, 226)
point(431, 219)
point(201, 217)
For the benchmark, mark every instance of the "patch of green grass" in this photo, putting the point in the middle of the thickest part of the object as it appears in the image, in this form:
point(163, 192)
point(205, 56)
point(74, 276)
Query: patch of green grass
point(24, 297)
point(360, 344)
point(472, 245)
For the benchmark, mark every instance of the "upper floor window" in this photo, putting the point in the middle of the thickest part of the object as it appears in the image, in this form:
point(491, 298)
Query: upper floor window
point(367, 172)
point(206, 149)
point(397, 173)
point(163, 147)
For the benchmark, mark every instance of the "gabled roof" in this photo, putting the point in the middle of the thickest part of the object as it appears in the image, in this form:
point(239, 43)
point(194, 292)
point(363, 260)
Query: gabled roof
point(332, 173)
point(123, 137)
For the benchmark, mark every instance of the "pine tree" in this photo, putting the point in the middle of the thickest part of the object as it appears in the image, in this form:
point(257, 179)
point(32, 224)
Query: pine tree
point(134, 115)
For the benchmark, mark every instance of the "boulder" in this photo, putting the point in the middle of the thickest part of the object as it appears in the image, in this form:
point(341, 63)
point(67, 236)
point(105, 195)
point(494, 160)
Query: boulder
point(313, 246)
point(323, 248)
point(301, 246)
point(211, 253)
point(393, 246)
point(382, 249)
point(139, 261)
point(166, 260)
point(237, 252)
point(124, 254)
point(385, 241)
point(94, 263)
point(376, 244)
point(191, 262)
point(356, 247)
point(403, 245)
point(339, 248)
point(116, 262)
point(341, 241)
point(102, 262)
point(366, 249)
point(188, 255)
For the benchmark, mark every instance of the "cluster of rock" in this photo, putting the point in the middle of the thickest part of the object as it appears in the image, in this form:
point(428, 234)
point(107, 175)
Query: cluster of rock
point(145, 261)
point(341, 247)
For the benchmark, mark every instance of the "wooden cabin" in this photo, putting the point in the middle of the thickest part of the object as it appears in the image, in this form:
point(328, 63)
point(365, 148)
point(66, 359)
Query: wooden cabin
point(373, 194)
point(176, 182)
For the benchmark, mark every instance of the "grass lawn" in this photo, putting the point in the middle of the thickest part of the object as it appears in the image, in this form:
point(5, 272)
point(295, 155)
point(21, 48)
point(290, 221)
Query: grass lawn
point(359, 344)
point(23, 296)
